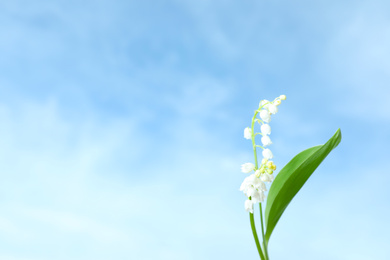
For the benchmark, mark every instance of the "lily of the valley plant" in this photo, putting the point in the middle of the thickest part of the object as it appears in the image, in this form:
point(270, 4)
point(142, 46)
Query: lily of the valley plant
point(287, 182)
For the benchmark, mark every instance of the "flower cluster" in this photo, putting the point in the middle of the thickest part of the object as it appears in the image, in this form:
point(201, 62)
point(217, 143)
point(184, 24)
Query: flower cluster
point(253, 186)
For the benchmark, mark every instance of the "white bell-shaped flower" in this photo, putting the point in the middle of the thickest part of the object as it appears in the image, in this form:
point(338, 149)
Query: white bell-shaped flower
point(265, 116)
point(248, 133)
point(252, 191)
point(267, 154)
point(261, 186)
point(249, 206)
point(264, 177)
point(273, 109)
point(267, 177)
point(265, 129)
point(264, 103)
point(258, 197)
point(247, 183)
point(244, 186)
point(247, 167)
point(252, 185)
point(266, 140)
point(257, 183)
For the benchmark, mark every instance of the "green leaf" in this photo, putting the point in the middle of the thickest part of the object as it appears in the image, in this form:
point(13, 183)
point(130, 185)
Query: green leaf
point(291, 179)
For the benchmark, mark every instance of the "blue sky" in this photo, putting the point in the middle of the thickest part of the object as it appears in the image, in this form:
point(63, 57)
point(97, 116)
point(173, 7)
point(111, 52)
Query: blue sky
point(121, 127)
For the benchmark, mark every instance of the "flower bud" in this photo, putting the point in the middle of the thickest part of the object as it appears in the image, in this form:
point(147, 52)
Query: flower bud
point(248, 133)
point(277, 102)
point(247, 167)
point(282, 97)
point(269, 164)
point(264, 161)
point(257, 173)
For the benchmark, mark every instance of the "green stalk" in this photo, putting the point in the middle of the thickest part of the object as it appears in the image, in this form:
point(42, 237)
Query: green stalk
point(262, 232)
point(255, 236)
point(261, 212)
point(253, 138)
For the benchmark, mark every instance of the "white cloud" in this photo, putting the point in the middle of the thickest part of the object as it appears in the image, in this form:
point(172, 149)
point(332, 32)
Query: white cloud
point(62, 186)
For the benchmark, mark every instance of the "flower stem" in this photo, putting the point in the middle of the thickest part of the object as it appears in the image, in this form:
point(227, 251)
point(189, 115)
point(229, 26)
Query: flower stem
point(262, 232)
point(255, 236)
point(261, 211)
point(253, 138)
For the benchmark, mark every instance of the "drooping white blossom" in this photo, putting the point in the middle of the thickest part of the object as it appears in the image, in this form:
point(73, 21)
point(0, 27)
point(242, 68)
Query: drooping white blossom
point(253, 185)
point(258, 197)
point(251, 191)
point(247, 167)
point(273, 109)
point(267, 177)
point(265, 129)
point(265, 115)
point(249, 206)
point(267, 154)
point(264, 103)
point(254, 188)
point(248, 133)
point(252, 182)
point(266, 140)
